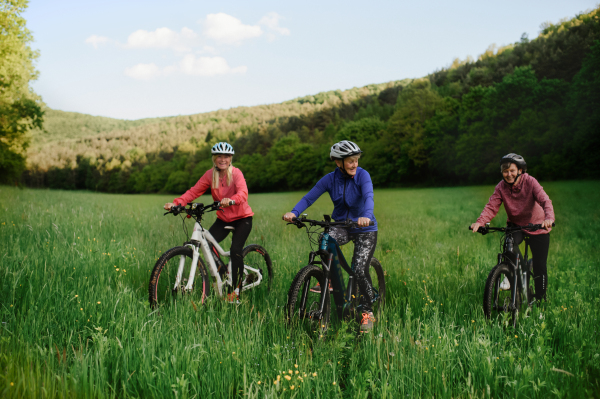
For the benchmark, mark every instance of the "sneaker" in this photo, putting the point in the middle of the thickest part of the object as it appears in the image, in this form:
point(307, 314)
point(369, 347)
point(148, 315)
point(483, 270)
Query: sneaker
point(317, 288)
point(505, 284)
point(233, 298)
point(366, 323)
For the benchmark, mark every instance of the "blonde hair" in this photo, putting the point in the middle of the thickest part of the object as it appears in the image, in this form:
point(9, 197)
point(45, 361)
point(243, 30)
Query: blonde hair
point(215, 179)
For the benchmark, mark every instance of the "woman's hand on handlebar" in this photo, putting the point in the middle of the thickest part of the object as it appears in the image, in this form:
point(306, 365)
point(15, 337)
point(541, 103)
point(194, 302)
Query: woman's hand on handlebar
point(363, 222)
point(546, 224)
point(475, 226)
point(169, 205)
point(288, 216)
point(225, 202)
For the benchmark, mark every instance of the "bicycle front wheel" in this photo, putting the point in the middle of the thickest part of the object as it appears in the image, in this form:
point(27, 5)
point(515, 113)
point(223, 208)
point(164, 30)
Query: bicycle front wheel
point(166, 289)
point(376, 277)
point(497, 300)
point(304, 300)
point(257, 263)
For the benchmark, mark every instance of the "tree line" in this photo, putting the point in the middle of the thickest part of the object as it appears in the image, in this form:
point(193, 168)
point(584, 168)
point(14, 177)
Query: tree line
point(539, 98)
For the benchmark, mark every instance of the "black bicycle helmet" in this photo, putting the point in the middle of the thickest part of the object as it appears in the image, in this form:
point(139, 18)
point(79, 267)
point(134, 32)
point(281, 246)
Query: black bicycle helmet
point(516, 159)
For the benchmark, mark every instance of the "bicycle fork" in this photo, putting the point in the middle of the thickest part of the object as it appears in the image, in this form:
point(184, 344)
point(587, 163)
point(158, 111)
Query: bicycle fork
point(194, 266)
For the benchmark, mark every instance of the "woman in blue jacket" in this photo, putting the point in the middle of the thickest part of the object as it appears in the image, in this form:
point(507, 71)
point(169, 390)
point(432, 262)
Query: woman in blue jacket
point(351, 191)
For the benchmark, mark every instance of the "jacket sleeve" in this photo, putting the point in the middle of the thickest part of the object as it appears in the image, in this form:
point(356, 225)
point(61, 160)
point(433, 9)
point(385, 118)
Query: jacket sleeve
point(366, 188)
point(241, 188)
point(492, 207)
point(542, 198)
point(322, 185)
point(197, 190)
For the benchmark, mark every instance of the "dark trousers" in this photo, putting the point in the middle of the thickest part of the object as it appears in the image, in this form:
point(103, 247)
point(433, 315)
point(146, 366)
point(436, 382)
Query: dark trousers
point(539, 245)
point(240, 235)
point(364, 247)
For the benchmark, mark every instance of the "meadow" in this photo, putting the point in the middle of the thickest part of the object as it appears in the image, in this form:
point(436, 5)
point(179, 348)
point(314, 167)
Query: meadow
point(76, 321)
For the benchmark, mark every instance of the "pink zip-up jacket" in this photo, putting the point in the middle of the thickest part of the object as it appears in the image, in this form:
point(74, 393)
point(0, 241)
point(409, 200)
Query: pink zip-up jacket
point(525, 202)
point(238, 192)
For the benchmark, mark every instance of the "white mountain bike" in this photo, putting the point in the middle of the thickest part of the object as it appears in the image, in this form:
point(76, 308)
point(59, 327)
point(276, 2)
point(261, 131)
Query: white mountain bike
point(180, 271)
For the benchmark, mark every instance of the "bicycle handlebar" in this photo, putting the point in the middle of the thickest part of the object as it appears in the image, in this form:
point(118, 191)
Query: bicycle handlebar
point(483, 230)
point(348, 223)
point(196, 208)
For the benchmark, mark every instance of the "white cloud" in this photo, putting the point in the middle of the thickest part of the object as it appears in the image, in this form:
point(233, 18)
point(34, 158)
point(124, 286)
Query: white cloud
point(229, 30)
point(271, 21)
point(143, 71)
point(96, 40)
point(208, 66)
point(189, 65)
point(163, 38)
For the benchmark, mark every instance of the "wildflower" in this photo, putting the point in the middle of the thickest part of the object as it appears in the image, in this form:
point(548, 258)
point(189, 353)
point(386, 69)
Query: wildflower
point(278, 377)
point(295, 365)
point(98, 302)
point(79, 308)
point(314, 374)
point(124, 270)
point(297, 372)
point(290, 371)
point(440, 337)
point(472, 321)
point(516, 336)
point(287, 377)
point(117, 269)
point(333, 382)
point(292, 387)
point(12, 384)
point(275, 382)
point(392, 354)
point(258, 382)
point(76, 296)
point(233, 353)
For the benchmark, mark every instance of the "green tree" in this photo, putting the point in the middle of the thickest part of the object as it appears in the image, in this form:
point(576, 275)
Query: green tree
point(20, 107)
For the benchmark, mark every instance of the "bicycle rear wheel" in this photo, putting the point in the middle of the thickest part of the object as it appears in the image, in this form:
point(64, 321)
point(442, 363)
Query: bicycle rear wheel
point(303, 304)
point(162, 290)
point(376, 277)
point(496, 301)
point(257, 258)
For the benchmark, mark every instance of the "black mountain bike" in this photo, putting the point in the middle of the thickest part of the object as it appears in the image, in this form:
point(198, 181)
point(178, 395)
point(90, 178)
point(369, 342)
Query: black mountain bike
point(309, 302)
point(509, 283)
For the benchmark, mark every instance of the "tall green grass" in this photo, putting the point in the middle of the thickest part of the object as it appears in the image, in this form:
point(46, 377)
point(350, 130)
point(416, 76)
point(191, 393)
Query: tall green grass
point(76, 321)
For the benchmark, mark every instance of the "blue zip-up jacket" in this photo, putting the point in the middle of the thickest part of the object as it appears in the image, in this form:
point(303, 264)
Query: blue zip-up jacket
point(352, 197)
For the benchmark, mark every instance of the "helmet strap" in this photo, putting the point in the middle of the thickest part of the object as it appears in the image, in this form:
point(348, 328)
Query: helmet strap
point(513, 183)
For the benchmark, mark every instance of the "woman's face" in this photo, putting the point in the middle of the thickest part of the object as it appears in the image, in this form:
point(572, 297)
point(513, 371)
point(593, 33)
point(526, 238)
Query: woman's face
point(511, 173)
point(223, 161)
point(350, 164)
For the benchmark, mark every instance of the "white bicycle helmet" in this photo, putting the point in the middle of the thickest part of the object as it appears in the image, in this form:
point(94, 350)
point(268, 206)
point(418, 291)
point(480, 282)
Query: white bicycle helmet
point(344, 149)
point(222, 148)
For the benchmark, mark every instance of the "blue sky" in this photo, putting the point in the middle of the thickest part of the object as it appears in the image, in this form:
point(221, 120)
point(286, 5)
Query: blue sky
point(137, 59)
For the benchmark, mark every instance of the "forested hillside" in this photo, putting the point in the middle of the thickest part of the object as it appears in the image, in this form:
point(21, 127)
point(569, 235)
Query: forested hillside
point(540, 98)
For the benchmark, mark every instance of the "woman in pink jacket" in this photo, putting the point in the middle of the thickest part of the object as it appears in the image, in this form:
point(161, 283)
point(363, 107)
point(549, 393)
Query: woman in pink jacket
point(226, 184)
point(525, 202)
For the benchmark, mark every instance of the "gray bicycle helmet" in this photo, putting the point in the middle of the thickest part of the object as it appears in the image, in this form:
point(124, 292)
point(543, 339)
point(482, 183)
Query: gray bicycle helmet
point(516, 159)
point(344, 149)
point(222, 148)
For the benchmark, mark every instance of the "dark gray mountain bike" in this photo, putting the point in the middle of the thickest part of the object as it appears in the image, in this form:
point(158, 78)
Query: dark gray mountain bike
point(509, 283)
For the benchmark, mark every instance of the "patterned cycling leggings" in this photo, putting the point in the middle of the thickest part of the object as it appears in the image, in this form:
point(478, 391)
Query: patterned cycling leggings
point(364, 247)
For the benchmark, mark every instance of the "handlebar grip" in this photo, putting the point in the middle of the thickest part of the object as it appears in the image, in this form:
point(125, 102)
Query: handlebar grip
point(231, 203)
point(553, 224)
point(470, 228)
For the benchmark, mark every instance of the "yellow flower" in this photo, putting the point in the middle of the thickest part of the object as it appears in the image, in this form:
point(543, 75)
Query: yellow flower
point(12, 384)
point(124, 270)
point(98, 302)
point(117, 269)
point(290, 371)
point(76, 296)
point(258, 382)
point(333, 382)
point(314, 374)
point(295, 365)
point(472, 321)
point(278, 377)
point(516, 336)
point(292, 387)
point(80, 308)
point(287, 377)
point(297, 372)
point(233, 353)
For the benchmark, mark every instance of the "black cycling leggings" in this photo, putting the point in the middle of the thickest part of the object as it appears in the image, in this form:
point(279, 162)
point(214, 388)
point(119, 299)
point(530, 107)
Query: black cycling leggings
point(539, 244)
point(240, 235)
point(364, 247)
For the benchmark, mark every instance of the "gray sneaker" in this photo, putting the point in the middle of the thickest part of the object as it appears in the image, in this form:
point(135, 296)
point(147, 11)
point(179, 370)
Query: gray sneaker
point(366, 323)
point(505, 284)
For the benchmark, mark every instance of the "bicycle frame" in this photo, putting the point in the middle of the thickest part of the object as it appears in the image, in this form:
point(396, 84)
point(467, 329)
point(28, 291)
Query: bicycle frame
point(332, 262)
point(519, 273)
point(200, 240)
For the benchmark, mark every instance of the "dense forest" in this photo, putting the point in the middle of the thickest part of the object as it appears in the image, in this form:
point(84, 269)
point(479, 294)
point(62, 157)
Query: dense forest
point(539, 98)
